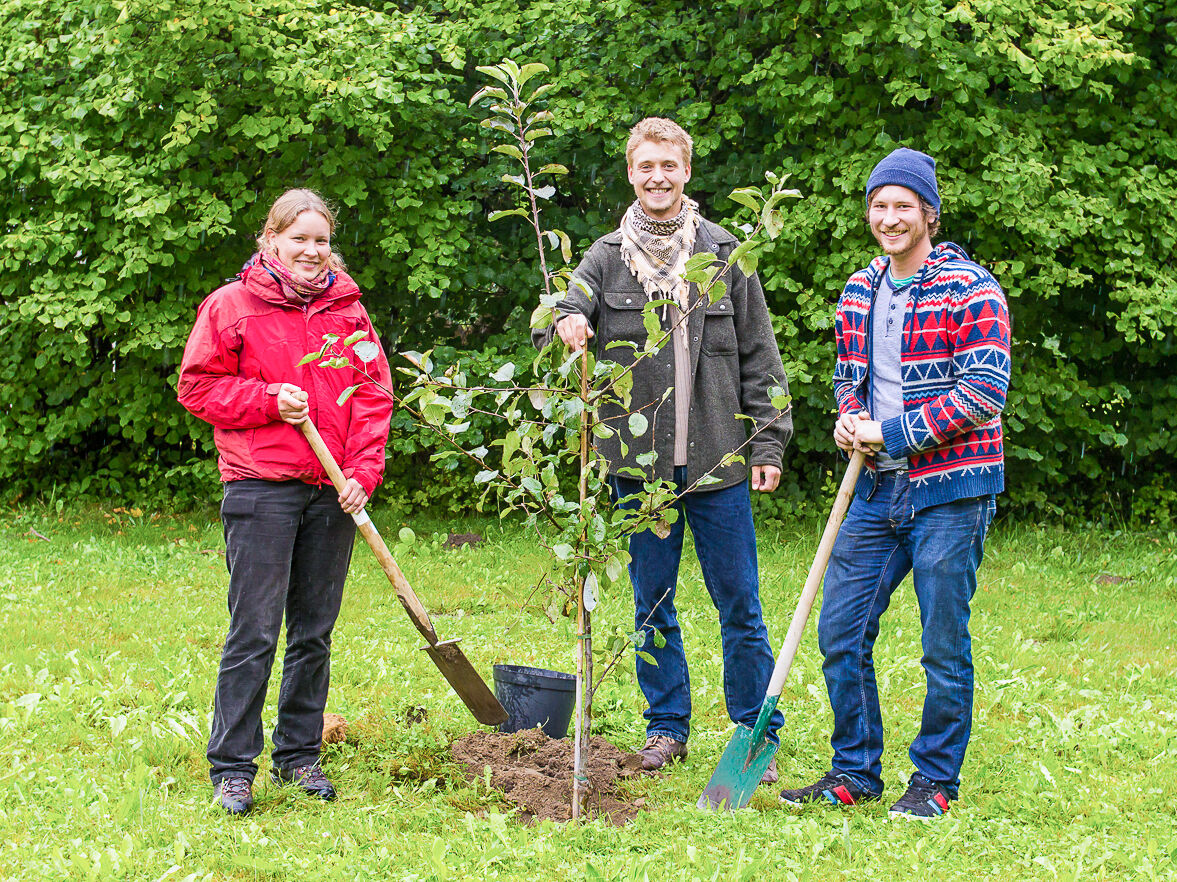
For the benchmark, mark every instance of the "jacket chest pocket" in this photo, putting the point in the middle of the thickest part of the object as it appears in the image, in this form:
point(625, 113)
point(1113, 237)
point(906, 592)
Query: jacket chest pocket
point(719, 328)
point(623, 320)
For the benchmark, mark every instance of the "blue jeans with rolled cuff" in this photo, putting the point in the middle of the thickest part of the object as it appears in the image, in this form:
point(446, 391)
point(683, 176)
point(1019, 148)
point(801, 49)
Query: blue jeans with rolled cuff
point(287, 547)
point(725, 543)
point(881, 541)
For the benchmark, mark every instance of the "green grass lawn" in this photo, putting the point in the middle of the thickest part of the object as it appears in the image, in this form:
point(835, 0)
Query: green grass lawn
point(111, 630)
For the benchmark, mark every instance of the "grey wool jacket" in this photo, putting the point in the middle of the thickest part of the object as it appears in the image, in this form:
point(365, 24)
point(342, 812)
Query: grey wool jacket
point(734, 363)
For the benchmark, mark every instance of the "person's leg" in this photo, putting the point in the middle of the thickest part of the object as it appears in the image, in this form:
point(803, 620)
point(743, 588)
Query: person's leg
point(321, 557)
point(260, 519)
point(653, 571)
point(725, 542)
point(947, 543)
point(866, 565)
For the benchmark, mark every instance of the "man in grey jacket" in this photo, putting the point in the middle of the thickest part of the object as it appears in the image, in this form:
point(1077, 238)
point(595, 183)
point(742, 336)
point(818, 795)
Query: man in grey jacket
point(720, 360)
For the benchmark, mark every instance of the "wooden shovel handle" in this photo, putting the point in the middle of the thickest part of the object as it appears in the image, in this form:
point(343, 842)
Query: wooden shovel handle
point(404, 591)
point(797, 627)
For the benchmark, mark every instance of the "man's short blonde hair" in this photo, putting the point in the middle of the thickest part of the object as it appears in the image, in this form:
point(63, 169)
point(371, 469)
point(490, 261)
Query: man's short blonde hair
point(658, 128)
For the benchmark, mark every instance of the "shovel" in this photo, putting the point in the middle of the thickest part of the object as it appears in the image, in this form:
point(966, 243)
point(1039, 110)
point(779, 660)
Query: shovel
point(748, 753)
point(450, 660)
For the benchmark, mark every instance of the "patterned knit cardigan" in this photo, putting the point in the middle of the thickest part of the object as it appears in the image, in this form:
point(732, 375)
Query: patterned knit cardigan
point(955, 373)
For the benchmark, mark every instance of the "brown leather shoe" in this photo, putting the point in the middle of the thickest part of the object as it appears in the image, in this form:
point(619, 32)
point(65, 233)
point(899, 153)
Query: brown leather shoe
point(661, 750)
point(770, 776)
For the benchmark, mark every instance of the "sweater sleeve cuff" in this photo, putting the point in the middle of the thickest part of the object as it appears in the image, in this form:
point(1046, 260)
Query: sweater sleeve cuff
point(893, 439)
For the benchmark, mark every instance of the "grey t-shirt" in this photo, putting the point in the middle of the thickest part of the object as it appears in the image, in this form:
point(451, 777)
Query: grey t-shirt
point(886, 379)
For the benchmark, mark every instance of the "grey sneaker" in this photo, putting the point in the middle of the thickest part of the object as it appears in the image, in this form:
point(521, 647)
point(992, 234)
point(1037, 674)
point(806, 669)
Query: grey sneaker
point(235, 795)
point(661, 750)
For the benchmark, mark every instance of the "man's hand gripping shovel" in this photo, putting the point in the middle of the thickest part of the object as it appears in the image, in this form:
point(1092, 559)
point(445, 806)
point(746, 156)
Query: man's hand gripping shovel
point(450, 660)
point(749, 752)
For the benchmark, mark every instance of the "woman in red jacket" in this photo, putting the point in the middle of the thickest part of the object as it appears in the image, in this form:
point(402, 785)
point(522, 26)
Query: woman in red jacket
point(288, 534)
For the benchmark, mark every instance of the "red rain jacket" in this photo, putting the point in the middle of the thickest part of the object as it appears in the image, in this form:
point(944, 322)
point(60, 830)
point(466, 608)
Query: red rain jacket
point(248, 341)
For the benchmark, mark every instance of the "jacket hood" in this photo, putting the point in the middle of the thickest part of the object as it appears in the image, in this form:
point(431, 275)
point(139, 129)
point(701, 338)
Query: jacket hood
point(261, 284)
point(935, 262)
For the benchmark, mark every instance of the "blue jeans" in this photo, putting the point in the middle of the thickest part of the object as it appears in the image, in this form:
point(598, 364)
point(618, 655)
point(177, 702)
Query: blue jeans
point(725, 543)
point(878, 545)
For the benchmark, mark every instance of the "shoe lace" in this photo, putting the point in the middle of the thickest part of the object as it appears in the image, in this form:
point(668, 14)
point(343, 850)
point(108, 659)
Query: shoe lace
point(312, 775)
point(919, 789)
point(236, 788)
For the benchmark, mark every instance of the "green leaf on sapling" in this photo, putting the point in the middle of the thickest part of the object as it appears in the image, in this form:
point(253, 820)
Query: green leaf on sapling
point(508, 150)
point(309, 357)
point(646, 657)
point(504, 373)
point(748, 196)
point(638, 424)
point(366, 351)
point(563, 550)
point(717, 291)
point(346, 394)
point(488, 91)
point(354, 337)
point(509, 212)
point(530, 70)
point(659, 638)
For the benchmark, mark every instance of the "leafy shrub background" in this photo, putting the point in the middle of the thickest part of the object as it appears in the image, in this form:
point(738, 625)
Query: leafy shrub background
point(141, 143)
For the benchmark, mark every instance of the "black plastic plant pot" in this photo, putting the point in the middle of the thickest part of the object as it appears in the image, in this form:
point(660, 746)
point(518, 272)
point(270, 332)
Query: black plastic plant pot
point(535, 697)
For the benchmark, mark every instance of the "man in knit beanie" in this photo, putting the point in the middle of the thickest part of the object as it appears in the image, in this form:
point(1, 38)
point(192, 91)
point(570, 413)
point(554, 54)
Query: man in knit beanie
point(718, 361)
point(923, 364)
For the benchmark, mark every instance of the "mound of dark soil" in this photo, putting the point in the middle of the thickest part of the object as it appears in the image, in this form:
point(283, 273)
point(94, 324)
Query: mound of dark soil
point(534, 772)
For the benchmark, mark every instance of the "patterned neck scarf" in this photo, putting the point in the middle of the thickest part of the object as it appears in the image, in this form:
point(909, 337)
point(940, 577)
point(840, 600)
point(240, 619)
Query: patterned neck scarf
point(656, 251)
point(297, 290)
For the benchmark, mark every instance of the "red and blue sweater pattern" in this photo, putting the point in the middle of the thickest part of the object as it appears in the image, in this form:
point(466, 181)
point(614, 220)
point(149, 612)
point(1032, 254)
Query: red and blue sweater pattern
point(955, 367)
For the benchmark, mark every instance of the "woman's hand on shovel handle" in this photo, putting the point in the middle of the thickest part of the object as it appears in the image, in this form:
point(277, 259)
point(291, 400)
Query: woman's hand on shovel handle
point(292, 404)
point(353, 498)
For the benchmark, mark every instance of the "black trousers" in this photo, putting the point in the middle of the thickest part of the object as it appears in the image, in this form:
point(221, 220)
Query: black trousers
point(287, 547)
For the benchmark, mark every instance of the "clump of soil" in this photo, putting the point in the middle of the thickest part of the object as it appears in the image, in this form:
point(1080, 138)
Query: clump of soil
point(334, 728)
point(461, 540)
point(534, 772)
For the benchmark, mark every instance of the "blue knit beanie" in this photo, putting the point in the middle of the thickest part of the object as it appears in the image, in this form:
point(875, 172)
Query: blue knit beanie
point(908, 168)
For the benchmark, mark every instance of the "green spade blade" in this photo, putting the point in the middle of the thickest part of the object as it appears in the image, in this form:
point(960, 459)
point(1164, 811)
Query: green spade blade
point(741, 767)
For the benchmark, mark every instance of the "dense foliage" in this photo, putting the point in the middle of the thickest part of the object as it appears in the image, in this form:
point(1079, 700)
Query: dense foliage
point(140, 144)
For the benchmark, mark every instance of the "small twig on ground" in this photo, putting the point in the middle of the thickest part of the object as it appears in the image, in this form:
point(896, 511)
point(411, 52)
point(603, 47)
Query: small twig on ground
point(33, 530)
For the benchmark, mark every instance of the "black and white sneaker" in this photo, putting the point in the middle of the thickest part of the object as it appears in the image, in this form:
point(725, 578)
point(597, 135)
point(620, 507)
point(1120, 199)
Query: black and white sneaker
point(924, 800)
point(833, 787)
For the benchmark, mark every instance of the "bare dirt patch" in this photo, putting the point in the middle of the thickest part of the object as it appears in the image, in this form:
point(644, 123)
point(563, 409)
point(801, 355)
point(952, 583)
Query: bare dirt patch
point(534, 772)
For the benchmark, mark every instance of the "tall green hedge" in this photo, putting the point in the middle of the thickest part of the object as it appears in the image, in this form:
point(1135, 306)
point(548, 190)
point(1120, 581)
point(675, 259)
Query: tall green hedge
point(141, 142)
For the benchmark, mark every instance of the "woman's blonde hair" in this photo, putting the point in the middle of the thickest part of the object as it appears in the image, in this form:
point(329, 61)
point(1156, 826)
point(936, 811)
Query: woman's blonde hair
point(285, 211)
